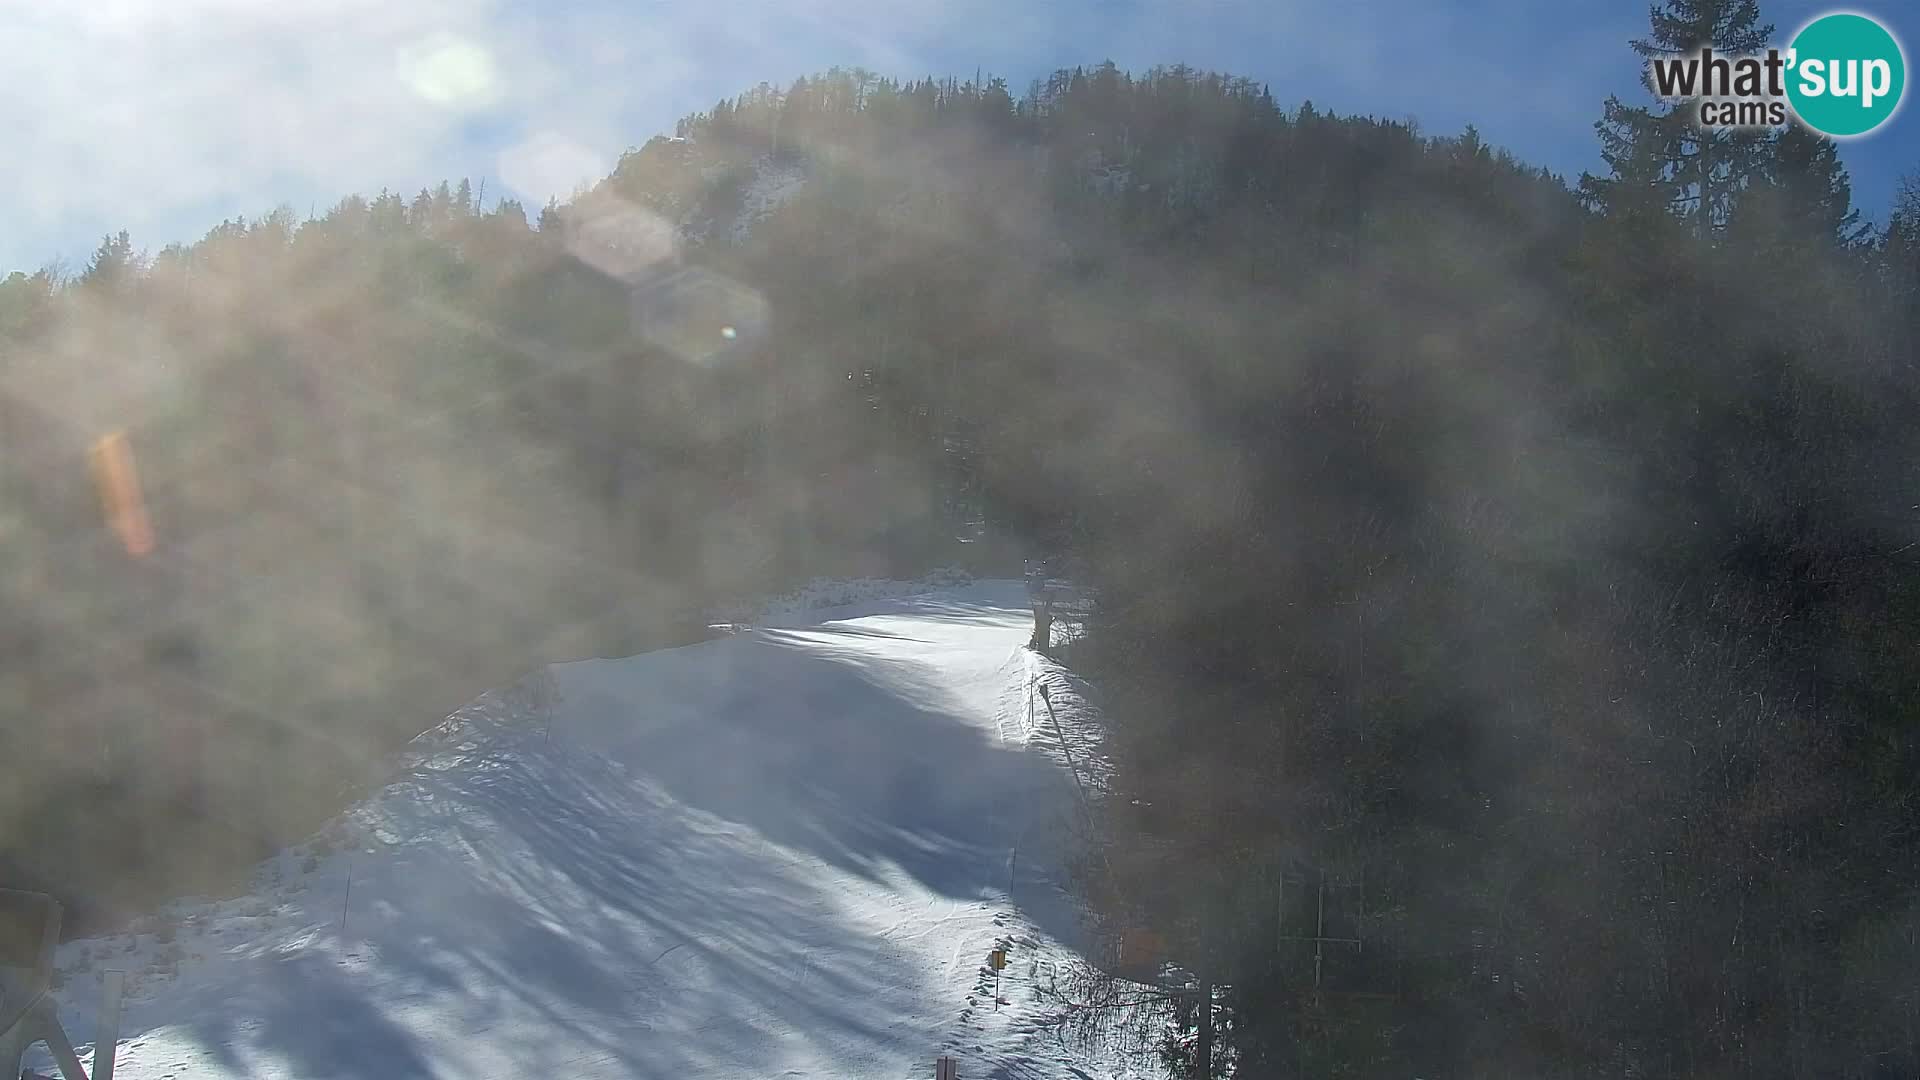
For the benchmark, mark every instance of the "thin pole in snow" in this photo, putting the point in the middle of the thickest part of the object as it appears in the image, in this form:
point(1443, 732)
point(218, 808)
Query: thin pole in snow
point(347, 898)
point(1061, 734)
point(106, 1043)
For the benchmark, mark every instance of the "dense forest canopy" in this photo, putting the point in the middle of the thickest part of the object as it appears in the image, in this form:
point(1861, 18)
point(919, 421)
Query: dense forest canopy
point(1535, 563)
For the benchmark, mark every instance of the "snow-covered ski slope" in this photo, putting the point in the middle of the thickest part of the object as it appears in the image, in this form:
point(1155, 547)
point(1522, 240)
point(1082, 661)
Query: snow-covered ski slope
point(786, 852)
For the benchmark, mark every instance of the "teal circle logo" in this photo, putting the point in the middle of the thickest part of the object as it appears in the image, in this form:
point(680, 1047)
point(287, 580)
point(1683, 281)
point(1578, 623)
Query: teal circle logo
point(1846, 75)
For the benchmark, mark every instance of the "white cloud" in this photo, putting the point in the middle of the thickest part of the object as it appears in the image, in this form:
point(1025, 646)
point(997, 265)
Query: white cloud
point(549, 165)
point(162, 116)
point(131, 114)
point(122, 111)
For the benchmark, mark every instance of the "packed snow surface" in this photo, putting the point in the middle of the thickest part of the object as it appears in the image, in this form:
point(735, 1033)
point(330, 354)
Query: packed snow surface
point(784, 852)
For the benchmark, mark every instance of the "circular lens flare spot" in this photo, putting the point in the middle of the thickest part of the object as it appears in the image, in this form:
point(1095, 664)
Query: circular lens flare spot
point(450, 71)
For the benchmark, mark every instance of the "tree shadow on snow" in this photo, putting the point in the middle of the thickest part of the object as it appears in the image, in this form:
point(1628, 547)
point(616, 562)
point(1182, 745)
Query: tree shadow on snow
point(844, 754)
point(633, 891)
point(538, 918)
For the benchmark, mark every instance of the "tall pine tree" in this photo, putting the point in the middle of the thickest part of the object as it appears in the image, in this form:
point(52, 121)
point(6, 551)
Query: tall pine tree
point(1801, 191)
point(1663, 151)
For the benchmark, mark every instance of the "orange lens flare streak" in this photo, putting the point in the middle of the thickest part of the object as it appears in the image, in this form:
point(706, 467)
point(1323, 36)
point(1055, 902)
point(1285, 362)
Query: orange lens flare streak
point(120, 499)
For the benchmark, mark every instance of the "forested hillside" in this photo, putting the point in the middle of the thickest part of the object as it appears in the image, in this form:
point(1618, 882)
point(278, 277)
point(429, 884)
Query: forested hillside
point(1533, 563)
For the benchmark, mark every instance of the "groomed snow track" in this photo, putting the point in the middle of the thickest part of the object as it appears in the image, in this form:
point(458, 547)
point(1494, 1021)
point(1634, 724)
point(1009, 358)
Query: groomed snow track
point(786, 852)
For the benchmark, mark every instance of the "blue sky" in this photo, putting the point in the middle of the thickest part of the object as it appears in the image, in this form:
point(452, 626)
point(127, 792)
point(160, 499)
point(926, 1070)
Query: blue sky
point(163, 116)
